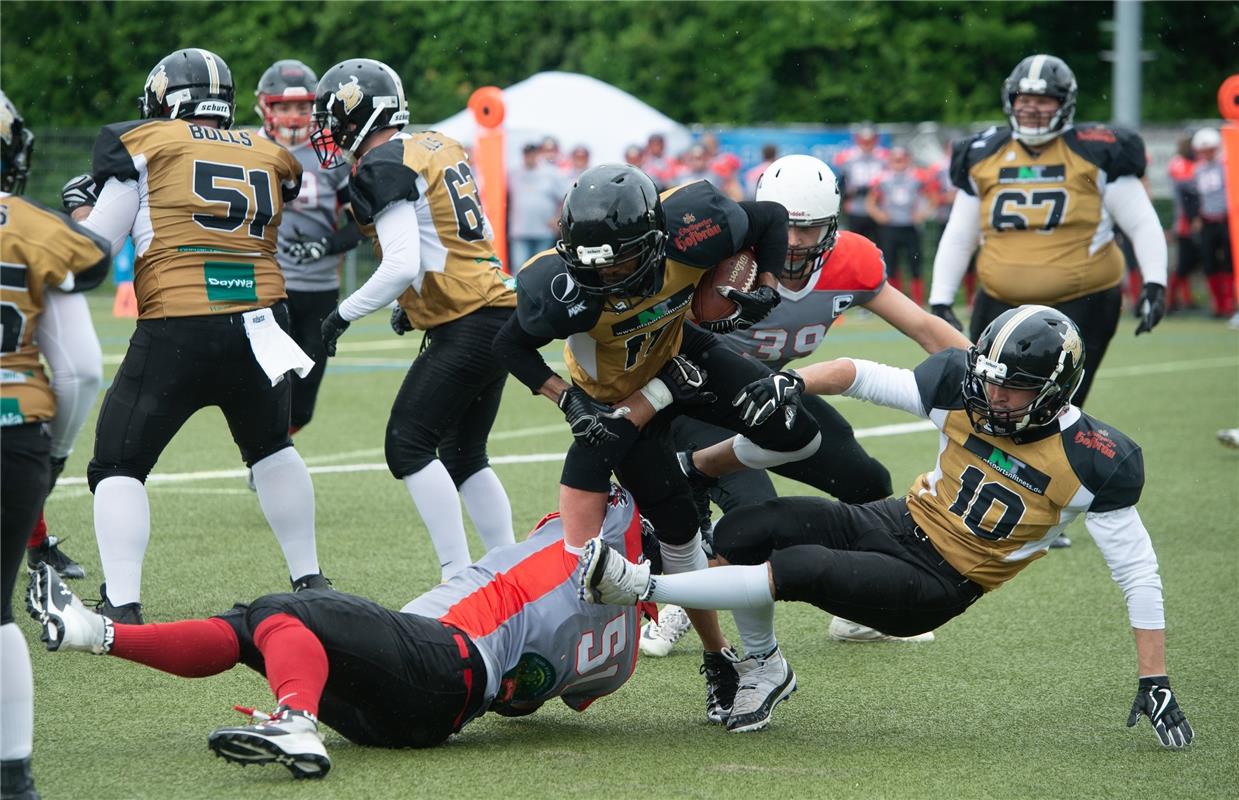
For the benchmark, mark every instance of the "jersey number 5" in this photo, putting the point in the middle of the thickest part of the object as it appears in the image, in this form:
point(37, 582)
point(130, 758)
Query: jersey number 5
point(1010, 205)
point(211, 183)
point(975, 500)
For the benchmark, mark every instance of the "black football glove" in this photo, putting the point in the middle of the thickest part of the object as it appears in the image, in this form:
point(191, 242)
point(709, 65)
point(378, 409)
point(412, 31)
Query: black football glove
point(400, 321)
point(761, 398)
point(1155, 700)
point(1151, 307)
point(593, 423)
point(333, 326)
point(944, 311)
point(752, 308)
point(79, 191)
point(684, 379)
point(308, 251)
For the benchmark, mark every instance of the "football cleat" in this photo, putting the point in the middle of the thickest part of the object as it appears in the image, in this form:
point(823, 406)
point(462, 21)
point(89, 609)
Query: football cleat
point(314, 581)
point(288, 736)
point(658, 638)
point(17, 779)
point(50, 553)
point(842, 630)
point(67, 623)
point(722, 681)
point(607, 578)
point(1229, 437)
point(126, 614)
point(765, 681)
point(1060, 542)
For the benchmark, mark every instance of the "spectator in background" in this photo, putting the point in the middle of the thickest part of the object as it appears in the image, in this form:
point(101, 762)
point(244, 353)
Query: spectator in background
point(1210, 220)
point(938, 184)
point(769, 152)
point(578, 162)
point(535, 189)
point(551, 155)
point(727, 168)
point(898, 202)
point(633, 156)
point(857, 166)
point(697, 168)
point(656, 163)
point(1181, 169)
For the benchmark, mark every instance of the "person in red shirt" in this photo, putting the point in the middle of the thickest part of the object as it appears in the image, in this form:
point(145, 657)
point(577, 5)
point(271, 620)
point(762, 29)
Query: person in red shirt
point(1181, 169)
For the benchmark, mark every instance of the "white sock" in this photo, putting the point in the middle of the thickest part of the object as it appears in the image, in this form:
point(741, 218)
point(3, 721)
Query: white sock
point(688, 557)
point(122, 530)
point(488, 507)
point(16, 695)
point(756, 627)
point(434, 494)
point(718, 588)
point(286, 495)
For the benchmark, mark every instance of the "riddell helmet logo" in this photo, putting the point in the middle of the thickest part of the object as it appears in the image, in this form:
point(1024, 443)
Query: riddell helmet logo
point(349, 94)
point(158, 82)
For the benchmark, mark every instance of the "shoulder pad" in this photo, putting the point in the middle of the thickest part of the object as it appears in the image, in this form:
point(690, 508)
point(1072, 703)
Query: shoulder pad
point(966, 152)
point(110, 158)
point(549, 304)
point(855, 263)
point(1118, 151)
point(940, 379)
point(1109, 464)
point(381, 179)
point(704, 226)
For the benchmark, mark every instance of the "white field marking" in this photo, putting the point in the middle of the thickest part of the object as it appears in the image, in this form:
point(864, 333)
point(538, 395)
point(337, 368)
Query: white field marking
point(496, 436)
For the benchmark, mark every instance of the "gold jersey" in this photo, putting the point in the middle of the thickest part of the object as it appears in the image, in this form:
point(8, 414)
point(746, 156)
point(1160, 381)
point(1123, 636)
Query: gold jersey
point(40, 251)
point(460, 271)
point(1045, 237)
point(210, 203)
point(993, 504)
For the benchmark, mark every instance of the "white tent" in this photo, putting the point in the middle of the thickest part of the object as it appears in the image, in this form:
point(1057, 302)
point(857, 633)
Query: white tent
point(575, 109)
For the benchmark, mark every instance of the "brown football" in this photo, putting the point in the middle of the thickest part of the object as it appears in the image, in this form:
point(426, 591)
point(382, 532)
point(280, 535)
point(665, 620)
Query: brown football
point(738, 272)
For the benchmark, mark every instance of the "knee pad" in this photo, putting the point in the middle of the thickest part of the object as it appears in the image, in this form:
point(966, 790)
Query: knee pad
point(464, 465)
point(406, 451)
point(755, 457)
point(95, 472)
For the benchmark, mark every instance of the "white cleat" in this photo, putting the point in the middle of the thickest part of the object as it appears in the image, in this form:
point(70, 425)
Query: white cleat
point(67, 623)
point(765, 681)
point(287, 737)
point(842, 630)
point(1229, 437)
point(607, 578)
point(658, 638)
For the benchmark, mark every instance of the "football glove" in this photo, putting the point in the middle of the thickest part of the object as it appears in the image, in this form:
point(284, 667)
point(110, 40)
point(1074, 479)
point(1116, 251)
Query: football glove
point(1155, 700)
point(593, 423)
point(752, 308)
point(1151, 307)
point(685, 381)
point(333, 326)
point(308, 251)
point(78, 192)
point(944, 311)
point(761, 398)
point(400, 321)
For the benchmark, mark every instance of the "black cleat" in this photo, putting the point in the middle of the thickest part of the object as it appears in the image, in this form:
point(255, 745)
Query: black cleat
point(127, 614)
point(722, 681)
point(313, 581)
point(50, 553)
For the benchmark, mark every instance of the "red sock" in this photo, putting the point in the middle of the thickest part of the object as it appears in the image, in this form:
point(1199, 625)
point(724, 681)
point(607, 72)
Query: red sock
point(1217, 291)
point(292, 429)
point(296, 661)
point(39, 535)
point(1185, 290)
point(918, 291)
point(970, 286)
point(194, 648)
point(1227, 283)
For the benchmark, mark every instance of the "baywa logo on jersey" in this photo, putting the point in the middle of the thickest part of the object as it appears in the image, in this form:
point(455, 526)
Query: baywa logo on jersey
point(1035, 173)
point(158, 82)
point(1008, 465)
point(349, 94)
point(11, 411)
point(230, 282)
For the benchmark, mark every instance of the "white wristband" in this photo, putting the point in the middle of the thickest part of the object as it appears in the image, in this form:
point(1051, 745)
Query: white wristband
point(657, 393)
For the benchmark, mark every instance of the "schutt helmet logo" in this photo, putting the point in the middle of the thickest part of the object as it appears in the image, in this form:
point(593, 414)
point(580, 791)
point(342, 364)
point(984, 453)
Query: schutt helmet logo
point(349, 94)
point(158, 82)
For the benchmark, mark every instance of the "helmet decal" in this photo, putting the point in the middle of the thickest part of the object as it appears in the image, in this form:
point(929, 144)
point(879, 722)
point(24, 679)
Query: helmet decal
point(349, 94)
point(157, 83)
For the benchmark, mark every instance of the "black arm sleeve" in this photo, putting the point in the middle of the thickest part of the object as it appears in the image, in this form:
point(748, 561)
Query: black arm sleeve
point(767, 234)
point(345, 238)
point(519, 351)
point(381, 179)
point(110, 158)
point(940, 379)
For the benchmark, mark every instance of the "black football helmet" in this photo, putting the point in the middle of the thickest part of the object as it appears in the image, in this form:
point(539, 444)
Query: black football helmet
point(189, 83)
point(285, 81)
point(354, 99)
point(613, 235)
point(1044, 75)
point(16, 147)
point(1033, 348)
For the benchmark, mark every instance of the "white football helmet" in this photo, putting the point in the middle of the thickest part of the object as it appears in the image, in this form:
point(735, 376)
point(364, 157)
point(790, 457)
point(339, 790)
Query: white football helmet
point(1206, 139)
point(806, 187)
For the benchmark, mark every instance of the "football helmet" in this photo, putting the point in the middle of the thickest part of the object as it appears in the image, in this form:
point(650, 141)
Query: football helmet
point(1206, 139)
point(1033, 348)
point(16, 147)
point(613, 235)
point(809, 191)
point(189, 83)
point(286, 81)
point(354, 99)
point(1042, 75)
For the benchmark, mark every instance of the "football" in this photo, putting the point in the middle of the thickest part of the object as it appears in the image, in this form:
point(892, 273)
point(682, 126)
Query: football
point(738, 272)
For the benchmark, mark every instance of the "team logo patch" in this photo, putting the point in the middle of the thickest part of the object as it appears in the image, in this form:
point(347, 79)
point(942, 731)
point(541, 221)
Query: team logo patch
point(1008, 465)
point(564, 289)
point(532, 678)
point(158, 82)
point(349, 94)
point(1072, 344)
point(689, 219)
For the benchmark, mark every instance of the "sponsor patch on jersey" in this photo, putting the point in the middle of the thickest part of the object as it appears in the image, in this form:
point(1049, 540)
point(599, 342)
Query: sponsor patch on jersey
point(13, 276)
point(564, 289)
point(653, 314)
point(228, 281)
point(11, 411)
point(695, 232)
point(1008, 465)
point(1096, 440)
point(1035, 173)
point(532, 678)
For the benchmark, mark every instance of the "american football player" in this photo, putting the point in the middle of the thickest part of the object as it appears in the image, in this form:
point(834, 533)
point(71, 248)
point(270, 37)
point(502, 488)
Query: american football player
point(1017, 462)
point(416, 196)
point(1042, 196)
point(42, 253)
point(203, 204)
point(618, 287)
point(506, 634)
point(858, 166)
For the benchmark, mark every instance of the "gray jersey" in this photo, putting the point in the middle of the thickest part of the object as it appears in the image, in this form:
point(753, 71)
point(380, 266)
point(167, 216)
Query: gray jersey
point(312, 216)
point(1211, 186)
point(898, 195)
point(519, 605)
point(853, 274)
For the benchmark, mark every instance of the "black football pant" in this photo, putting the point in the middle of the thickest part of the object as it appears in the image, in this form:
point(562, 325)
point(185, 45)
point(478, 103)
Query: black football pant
point(867, 563)
point(174, 367)
point(1096, 315)
point(864, 225)
point(306, 312)
point(25, 479)
point(840, 467)
point(645, 463)
point(393, 679)
point(1215, 247)
point(901, 244)
point(449, 399)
